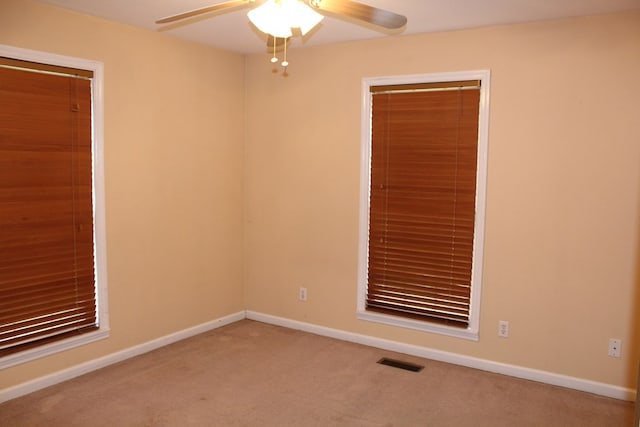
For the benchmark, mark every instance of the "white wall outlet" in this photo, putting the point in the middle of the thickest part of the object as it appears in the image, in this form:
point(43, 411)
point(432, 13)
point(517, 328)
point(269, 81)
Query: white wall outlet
point(503, 328)
point(302, 294)
point(615, 347)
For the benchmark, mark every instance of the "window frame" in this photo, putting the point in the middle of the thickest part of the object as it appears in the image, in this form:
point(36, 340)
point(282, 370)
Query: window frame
point(100, 249)
point(472, 331)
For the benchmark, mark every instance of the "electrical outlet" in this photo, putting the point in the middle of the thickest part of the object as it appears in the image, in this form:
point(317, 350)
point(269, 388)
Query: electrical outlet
point(302, 294)
point(615, 347)
point(503, 328)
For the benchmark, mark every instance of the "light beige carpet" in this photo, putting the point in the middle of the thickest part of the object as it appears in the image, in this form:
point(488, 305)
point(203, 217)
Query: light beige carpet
point(253, 374)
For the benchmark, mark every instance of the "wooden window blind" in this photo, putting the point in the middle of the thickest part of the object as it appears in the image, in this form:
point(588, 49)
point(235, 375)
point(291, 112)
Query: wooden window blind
point(47, 280)
point(422, 200)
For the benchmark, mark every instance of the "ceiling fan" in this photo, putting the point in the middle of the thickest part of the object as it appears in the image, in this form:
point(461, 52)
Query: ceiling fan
point(276, 18)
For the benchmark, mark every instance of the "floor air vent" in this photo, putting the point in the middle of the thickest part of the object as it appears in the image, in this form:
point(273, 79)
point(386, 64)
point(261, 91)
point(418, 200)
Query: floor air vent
point(401, 365)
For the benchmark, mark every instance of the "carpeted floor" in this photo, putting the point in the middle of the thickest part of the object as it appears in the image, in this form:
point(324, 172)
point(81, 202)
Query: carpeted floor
point(253, 374)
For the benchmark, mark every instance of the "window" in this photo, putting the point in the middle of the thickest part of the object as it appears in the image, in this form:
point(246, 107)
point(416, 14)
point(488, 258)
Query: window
point(52, 265)
point(422, 201)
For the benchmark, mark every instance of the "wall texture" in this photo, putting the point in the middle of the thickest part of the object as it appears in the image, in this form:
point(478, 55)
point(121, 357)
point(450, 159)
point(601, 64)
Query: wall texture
point(562, 231)
point(173, 145)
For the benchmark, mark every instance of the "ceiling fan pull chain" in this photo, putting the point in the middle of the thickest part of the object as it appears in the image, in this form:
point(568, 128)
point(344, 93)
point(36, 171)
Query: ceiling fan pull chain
point(274, 59)
point(285, 63)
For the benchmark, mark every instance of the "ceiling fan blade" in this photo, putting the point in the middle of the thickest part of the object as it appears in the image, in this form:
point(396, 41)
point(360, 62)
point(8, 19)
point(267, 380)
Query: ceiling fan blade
point(213, 8)
point(362, 12)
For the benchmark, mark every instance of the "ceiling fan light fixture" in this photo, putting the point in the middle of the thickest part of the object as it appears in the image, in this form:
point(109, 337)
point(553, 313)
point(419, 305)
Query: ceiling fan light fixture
point(278, 17)
point(269, 19)
point(303, 17)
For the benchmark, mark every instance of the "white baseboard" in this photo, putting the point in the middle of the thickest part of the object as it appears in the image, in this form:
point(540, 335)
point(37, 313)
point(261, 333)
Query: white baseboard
point(598, 388)
point(551, 378)
point(92, 365)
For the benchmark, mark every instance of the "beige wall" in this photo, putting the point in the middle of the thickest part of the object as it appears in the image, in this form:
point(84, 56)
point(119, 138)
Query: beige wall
point(173, 145)
point(562, 232)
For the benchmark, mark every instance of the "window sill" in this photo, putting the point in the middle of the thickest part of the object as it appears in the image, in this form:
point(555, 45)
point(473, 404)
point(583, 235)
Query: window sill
point(386, 319)
point(55, 347)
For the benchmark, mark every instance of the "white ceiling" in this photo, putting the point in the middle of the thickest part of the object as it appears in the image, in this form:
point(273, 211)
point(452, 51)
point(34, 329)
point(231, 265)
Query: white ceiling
point(232, 30)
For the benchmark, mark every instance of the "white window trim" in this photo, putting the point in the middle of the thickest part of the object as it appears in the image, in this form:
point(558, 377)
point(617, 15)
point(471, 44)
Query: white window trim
point(472, 331)
point(98, 203)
